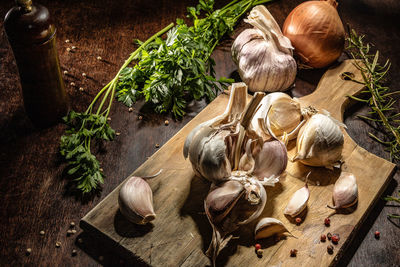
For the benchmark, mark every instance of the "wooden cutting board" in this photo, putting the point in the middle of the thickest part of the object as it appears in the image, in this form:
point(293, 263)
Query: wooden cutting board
point(181, 232)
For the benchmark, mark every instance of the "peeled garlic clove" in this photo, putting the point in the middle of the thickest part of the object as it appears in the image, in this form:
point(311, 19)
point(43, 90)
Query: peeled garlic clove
point(271, 160)
point(298, 202)
point(136, 201)
point(320, 142)
point(268, 227)
point(263, 55)
point(345, 191)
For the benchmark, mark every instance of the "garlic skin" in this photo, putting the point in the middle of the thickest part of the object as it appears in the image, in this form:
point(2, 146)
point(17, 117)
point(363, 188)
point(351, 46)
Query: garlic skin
point(298, 202)
point(268, 227)
point(135, 201)
point(263, 55)
point(345, 191)
point(278, 114)
point(229, 205)
point(320, 142)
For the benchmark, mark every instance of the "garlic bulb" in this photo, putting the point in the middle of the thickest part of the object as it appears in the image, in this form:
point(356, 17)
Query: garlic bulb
point(320, 142)
point(217, 147)
point(278, 114)
point(268, 227)
point(206, 144)
point(136, 201)
point(345, 191)
point(229, 205)
point(298, 202)
point(263, 55)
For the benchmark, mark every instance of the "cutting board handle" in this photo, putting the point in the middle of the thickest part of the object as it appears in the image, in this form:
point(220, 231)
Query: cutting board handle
point(333, 90)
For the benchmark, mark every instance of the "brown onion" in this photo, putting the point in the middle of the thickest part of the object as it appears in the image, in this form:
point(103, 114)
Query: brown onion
point(316, 32)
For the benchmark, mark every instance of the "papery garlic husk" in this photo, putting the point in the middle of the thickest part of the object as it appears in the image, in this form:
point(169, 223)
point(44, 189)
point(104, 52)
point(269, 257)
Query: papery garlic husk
point(229, 205)
point(135, 201)
point(298, 202)
point(283, 113)
point(320, 142)
point(263, 55)
point(268, 227)
point(345, 191)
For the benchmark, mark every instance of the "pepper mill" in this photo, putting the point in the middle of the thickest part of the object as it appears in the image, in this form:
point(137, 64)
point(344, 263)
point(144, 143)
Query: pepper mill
point(32, 37)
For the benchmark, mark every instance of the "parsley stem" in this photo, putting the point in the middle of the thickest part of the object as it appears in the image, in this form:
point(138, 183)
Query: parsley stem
point(110, 87)
point(89, 109)
point(229, 5)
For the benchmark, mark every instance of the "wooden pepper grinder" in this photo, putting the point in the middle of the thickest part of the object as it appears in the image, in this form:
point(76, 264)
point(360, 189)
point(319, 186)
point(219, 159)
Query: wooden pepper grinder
point(32, 36)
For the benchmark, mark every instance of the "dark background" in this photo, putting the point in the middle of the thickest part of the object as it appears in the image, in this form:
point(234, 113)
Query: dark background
point(33, 191)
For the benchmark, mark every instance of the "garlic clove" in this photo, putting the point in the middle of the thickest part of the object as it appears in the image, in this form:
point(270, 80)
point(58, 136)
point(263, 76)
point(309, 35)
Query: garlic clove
point(345, 191)
point(298, 202)
point(220, 201)
point(247, 162)
point(268, 227)
point(320, 142)
point(271, 161)
point(283, 113)
point(135, 201)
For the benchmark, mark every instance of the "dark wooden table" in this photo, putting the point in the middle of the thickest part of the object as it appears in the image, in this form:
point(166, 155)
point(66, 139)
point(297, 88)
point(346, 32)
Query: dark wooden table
point(34, 193)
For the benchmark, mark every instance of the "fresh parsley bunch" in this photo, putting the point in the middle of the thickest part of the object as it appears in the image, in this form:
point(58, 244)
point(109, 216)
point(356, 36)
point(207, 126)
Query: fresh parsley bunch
point(166, 74)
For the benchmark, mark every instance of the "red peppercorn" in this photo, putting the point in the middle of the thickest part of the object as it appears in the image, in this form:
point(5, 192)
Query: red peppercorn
point(298, 220)
point(329, 236)
point(323, 238)
point(330, 249)
point(327, 222)
point(257, 247)
point(335, 239)
point(377, 234)
point(293, 252)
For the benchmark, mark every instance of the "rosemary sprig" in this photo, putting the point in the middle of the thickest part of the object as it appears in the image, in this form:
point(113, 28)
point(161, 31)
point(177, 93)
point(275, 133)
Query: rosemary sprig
point(396, 199)
point(380, 99)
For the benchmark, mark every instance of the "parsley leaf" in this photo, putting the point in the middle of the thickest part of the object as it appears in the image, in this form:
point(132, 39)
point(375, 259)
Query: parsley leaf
point(167, 71)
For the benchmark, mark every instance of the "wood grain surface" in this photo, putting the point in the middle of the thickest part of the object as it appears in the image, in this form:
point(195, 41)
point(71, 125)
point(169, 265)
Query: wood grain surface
point(178, 198)
point(33, 190)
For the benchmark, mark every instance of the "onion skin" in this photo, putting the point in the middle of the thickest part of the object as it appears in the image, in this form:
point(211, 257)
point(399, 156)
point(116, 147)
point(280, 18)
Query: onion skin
point(316, 32)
